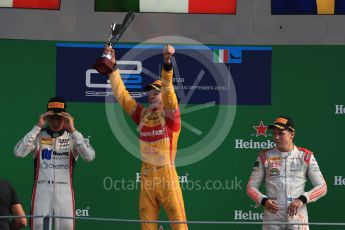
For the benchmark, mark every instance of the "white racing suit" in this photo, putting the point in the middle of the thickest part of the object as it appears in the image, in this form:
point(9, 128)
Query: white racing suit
point(285, 175)
point(55, 154)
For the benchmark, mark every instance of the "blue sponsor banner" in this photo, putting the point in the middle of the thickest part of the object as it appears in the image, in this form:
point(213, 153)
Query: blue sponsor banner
point(304, 6)
point(294, 7)
point(244, 78)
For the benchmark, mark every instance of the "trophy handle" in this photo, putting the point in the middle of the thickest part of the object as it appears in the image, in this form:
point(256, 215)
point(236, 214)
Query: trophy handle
point(117, 30)
point(129, 17)
point(127, 20)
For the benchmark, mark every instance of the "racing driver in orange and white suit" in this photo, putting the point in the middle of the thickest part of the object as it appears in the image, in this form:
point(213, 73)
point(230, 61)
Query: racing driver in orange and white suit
point(159, 129)
point(285, 170)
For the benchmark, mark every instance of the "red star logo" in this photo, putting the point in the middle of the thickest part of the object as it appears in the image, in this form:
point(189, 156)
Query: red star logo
point(161, 228)
point(261, 129)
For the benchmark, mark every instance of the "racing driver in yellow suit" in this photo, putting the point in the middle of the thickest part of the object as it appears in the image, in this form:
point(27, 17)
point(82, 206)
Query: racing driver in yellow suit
point(159, 128)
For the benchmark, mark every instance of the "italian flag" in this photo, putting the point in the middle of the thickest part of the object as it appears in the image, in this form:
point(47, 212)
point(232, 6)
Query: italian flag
point(168, 6)
point(221, 56)
point(32, 4)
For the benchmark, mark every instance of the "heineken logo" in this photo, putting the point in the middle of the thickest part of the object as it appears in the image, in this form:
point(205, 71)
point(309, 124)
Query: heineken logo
point(250, 215)
point(251, 144)
point(339, 109)
point(260, 131)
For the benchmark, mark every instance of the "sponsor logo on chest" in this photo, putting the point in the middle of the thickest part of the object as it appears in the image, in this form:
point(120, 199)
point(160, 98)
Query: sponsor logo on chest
point(152, 133)
point(48, 154)
point(274, 164)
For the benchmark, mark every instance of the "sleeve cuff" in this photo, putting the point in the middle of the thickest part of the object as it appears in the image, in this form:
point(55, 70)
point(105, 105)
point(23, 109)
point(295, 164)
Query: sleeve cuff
point(303, 199)
point(167, 67)
point(115, 67)
point(263, 201)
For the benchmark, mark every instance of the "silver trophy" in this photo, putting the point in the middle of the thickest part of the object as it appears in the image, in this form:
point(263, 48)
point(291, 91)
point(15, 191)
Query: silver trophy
point(103, 65)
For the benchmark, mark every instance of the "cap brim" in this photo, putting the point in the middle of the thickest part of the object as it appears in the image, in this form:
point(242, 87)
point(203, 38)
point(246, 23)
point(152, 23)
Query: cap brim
point(281, 127)
point(276, 126)
point(152, 86)
point(57, 111)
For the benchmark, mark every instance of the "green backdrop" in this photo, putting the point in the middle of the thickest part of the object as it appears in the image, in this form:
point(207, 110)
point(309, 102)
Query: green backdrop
point(307, 84)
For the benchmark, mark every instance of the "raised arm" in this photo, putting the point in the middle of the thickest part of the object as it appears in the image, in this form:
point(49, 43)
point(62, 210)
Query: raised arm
point(170, 102)
point(120, 92)
point(169, 98)
point(81, 146)
point(27, 144)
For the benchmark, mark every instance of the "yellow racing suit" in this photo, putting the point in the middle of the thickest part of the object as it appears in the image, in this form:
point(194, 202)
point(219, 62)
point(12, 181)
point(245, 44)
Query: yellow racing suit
point(158, 136)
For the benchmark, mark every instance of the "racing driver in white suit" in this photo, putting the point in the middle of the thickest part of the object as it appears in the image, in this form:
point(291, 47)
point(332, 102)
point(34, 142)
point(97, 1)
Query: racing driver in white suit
point(55, 150)
point(285, 170)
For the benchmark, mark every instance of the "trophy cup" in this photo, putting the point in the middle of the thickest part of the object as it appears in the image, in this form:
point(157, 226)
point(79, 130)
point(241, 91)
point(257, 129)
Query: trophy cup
point(103, 65)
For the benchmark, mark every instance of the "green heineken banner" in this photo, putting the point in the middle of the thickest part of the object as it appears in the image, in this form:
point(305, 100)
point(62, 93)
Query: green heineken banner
point(303, 82)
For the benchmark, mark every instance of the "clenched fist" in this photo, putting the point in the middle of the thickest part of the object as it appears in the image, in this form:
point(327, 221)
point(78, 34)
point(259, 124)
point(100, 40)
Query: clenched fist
point(168, 52)
point(111, 52)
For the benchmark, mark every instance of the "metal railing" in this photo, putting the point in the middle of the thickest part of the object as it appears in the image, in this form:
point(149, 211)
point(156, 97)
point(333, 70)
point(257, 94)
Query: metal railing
point(47, 221)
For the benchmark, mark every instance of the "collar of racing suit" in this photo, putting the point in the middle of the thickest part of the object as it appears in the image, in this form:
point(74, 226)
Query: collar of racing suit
point(54, 134)
point(286, 154)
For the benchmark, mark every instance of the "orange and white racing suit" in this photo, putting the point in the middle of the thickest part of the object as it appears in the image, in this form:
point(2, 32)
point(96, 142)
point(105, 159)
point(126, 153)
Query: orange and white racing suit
point(158, 136)
point(285, 175)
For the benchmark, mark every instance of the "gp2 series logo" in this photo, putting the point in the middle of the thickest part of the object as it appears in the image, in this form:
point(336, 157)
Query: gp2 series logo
point(130, 74)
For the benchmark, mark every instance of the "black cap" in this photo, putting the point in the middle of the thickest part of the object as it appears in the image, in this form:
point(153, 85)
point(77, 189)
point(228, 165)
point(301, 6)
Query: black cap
point(283, 122)
point(156, 85)
point(57, 105)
